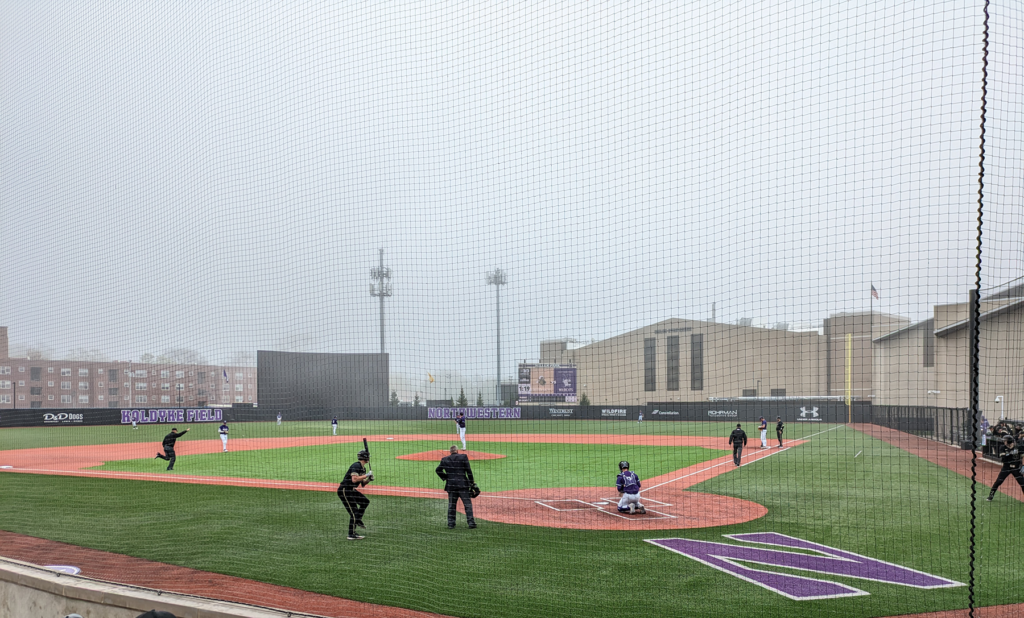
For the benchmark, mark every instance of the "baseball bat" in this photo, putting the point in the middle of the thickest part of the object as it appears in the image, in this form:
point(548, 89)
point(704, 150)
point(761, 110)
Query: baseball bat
point(366, 447)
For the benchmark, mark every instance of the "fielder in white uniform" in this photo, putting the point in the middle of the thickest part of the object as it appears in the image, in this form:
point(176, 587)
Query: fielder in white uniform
point(764, 433)
point(460, 423)
point(334, 425)
point(279, 419)
point(628, 486)
point(224, 435)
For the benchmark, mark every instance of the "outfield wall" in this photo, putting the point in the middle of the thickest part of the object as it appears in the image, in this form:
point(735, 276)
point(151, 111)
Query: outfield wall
point(740, 412)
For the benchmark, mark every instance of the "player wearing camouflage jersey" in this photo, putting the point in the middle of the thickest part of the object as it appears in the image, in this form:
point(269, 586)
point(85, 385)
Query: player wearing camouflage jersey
point(1011, 458)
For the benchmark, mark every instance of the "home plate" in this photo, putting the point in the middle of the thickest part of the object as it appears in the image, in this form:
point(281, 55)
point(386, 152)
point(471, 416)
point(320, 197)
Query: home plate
point(599, 503)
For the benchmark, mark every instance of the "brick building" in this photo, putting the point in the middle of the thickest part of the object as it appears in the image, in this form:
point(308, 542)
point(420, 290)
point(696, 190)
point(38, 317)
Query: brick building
point(116, 384)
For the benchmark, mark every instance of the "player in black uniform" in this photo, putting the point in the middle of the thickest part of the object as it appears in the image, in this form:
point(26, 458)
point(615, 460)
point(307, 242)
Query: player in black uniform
point(779, 426)
point(169, 440)
point(348, 492)
point(738, 439)
point(1011, 458)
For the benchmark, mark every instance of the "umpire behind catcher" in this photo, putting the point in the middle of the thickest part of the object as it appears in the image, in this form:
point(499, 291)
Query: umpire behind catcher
point(454, 470)
point(348, 492)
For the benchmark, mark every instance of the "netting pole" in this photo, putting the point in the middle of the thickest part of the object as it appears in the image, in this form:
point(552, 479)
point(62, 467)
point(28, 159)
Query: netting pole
point(975, 316)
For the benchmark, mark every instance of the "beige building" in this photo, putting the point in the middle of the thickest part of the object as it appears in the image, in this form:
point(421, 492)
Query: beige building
point(690, 360)
point(928, 364)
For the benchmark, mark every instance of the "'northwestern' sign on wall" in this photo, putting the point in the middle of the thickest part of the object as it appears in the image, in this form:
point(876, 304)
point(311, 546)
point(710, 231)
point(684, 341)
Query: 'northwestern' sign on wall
point(200, 415)
point(728, 558)
point(478, 413)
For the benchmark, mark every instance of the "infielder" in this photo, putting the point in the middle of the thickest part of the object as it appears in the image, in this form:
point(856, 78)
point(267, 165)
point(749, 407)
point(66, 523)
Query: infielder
point(223, 430)
point(460, 424)
point(779, 426)
point(764, 432)
point(1011, 458)
point(628, 485)
point(278, 419)
point(738, 439)
point(168, 444)
point(334, 426)
point(353, 500)
point(640, 418)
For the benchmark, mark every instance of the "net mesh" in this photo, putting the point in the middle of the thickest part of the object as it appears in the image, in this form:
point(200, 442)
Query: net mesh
point(601, 232)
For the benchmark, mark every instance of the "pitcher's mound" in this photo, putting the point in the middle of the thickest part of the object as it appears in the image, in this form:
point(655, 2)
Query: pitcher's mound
point(437, 455)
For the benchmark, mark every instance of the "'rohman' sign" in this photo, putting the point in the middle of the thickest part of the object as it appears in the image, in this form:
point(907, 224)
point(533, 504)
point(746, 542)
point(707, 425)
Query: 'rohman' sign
point(727, 558)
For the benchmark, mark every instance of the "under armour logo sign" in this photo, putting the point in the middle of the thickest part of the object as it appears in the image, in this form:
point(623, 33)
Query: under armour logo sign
point(813, 412)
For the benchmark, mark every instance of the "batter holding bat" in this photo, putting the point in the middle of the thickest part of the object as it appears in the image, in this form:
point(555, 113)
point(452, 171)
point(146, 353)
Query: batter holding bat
point(358, 475)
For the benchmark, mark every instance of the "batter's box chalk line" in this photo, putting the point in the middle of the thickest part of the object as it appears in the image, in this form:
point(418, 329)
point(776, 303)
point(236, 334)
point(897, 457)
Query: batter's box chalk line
point(608, 506)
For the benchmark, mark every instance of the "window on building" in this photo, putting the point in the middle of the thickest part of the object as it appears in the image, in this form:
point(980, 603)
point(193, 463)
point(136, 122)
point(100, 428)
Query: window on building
point(5, 399)
point(83, 399)
point(201, 377)
point(5, 371)
point(83, 386)
point(140, 399)
point(65, 386)
point(36, 373)
point(83, 372)
point(239, 399)
point(164, 373)
point(65, 371)
point(166, 386)
point(36, 404)
point(928, 344)
point(113, 403)
point(750, 392)
point(697, 362)
point(21, 370)
point(141, 386)
point(202, 392)
point(672, 377)
point(49, 383)
point(239, 376)
point(165, 399)
point(227, 387)
point(778, 392)
point(49, 397)
point(36, 390)
point(179, 374)
point(99, 398)
point(65, 398)
point(239, 387)
point(141, 373)
point(650, 364)
point(112, 392)
point(21, 398)
point(49, 370)
point(112, 374)
point(5, 385)
point(21, 383)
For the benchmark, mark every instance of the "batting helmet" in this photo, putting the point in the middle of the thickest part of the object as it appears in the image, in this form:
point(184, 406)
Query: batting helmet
point(623, 465)
point(364, 455)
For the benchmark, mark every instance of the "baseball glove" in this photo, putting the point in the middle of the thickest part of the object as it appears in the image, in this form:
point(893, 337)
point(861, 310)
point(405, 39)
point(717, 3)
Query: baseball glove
point(474, 491)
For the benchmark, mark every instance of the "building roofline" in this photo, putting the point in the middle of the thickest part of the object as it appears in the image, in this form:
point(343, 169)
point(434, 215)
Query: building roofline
point(955, 326)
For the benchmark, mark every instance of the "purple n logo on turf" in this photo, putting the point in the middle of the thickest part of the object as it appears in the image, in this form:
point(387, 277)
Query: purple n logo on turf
point(723, 557)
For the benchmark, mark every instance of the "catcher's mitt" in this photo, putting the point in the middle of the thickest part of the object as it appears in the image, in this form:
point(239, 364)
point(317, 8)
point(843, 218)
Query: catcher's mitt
point(474, 491)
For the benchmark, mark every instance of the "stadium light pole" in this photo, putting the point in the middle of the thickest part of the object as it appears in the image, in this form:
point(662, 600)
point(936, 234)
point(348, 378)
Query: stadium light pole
point(497, 279)
point(382, 290)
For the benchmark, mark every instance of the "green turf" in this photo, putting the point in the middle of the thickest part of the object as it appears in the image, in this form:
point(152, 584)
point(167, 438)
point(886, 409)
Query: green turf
point(37, 437)
point(842, 489)
point(525, 465)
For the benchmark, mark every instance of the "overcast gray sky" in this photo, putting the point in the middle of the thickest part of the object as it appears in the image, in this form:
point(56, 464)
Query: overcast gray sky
point(221, 177)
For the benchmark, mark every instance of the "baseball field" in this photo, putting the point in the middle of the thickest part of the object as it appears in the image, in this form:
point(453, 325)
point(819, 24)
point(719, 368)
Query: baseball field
point(842, 520)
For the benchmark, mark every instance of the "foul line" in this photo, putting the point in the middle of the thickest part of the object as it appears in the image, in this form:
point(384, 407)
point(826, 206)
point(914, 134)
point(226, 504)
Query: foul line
point(746, 464)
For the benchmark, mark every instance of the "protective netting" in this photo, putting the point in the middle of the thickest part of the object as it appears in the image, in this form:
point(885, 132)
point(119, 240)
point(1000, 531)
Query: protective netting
point(602, 232)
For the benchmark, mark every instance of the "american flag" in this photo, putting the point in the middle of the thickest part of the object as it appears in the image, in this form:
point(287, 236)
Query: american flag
point(226, 371)
point(874, 292)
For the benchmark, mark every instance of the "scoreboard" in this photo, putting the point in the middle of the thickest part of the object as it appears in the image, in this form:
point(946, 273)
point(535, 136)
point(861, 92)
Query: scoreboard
point(547, 383)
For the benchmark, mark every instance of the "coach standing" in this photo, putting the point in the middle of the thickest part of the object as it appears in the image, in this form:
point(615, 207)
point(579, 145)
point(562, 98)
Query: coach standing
point(348, 492)
point(168, 444)
point(779, 428)
point(454, 470)
point(738, 439)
